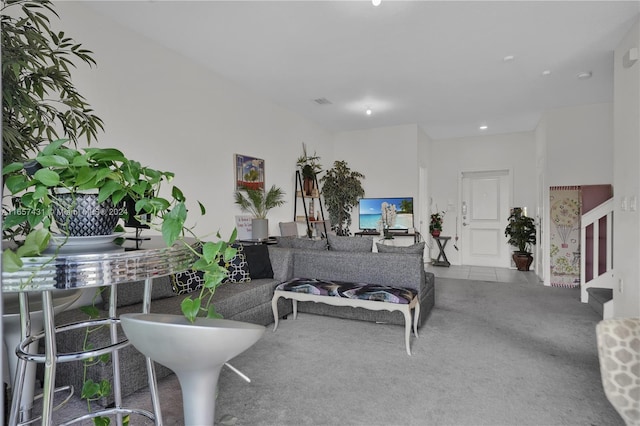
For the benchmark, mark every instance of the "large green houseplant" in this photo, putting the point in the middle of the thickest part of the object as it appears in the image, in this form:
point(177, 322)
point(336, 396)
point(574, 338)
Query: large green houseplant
point(39, 101)
point(341, 189)
point(521, 231)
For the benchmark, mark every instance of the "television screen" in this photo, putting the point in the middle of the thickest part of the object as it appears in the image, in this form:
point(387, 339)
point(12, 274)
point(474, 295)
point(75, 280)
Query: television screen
point(370, 212)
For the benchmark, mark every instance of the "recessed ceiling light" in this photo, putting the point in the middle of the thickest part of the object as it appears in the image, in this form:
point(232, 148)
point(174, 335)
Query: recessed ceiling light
point(376, 3)
point(368, 111)
point(584, 75)
point(546, 72)
point(484, 127)
point(508, 58)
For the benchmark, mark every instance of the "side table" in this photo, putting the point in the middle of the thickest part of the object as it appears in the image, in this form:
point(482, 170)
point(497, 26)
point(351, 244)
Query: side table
point(442, 257)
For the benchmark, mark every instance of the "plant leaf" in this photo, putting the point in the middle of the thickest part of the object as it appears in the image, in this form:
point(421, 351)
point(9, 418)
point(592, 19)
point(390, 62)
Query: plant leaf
point(47, 177)
point(190, 308)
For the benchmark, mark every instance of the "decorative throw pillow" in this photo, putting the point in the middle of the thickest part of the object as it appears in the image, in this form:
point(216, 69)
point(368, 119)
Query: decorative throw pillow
point(187, 281)
point(417, 248)
point(309, 244)
point(237, 267)
point(341, 243)
point(258, 261)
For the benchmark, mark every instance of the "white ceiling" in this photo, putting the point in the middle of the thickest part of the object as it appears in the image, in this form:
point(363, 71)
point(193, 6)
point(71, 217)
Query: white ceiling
point(439, 64)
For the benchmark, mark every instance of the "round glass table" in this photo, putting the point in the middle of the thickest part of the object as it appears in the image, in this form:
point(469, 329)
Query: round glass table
point(84, 263)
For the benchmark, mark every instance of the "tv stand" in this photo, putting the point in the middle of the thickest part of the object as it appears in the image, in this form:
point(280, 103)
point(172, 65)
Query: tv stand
point(416, 235)
point(368, 232)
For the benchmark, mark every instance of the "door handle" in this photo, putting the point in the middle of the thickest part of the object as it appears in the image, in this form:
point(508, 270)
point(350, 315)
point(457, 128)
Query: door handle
point(464, 223)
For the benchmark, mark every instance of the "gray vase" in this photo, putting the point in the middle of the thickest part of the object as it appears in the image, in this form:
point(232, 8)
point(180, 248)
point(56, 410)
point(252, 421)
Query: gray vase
point(80, 215)
point(260, 229)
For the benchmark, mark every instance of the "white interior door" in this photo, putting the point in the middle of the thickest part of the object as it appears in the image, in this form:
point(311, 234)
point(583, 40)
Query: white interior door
point(484, 209)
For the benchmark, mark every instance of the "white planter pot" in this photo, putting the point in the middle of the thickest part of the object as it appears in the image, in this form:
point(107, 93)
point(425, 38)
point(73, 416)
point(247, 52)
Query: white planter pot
point(260, 229)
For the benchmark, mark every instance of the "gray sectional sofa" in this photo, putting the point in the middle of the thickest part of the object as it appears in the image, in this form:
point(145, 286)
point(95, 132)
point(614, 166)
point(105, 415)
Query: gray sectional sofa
point(346, 260)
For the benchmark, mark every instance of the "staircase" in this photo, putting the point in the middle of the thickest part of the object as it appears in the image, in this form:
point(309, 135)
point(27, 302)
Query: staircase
point(596, 263)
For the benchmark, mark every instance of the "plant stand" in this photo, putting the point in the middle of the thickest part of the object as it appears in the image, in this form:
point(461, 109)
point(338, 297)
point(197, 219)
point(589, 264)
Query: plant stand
point(302, 194)
point(442, 257)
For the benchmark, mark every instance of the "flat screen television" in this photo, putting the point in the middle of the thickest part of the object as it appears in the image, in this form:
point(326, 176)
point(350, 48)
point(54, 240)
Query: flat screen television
point(370, 213)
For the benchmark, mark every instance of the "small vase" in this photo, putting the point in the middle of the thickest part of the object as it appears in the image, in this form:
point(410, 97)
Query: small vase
point(435, 233)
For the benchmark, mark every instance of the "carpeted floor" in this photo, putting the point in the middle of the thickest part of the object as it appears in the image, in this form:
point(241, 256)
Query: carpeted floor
point(490, 354)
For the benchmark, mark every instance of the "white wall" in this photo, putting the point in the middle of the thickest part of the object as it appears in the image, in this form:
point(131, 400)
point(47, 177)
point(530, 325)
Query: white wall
point(387, 157)
point(627, 177)
point(449, 158)
point(172, 114)
point(579, 143)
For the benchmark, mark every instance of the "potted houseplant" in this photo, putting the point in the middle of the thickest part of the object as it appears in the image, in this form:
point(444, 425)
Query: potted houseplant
point(435, 223)
point(258, 203)
point(309, 168)
point(341, 189)
point(35, 184)
point(521, 231)
point(62, 185)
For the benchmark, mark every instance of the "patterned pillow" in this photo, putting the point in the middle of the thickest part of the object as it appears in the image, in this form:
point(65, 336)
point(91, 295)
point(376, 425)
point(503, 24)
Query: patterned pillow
point(237, 267)
point(187, 281)
point(358, 244)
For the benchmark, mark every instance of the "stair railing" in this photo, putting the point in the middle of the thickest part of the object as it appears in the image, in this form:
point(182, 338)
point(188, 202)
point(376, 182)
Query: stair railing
point(600, 279)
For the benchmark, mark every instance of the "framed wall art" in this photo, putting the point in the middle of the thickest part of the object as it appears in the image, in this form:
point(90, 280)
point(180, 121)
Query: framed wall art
point(249, 172)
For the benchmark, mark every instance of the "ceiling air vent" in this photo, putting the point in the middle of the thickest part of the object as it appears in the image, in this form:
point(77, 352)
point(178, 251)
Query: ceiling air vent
point(322, 101)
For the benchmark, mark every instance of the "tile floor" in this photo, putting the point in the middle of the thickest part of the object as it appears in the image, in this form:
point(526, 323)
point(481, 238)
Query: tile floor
point(483, 273)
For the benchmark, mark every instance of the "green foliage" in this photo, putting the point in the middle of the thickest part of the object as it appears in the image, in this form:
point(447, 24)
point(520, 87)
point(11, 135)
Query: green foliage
point(341, 189)
point(309, 164)
point(115, 177)
point(436, 220)
point(521, 231)
point(33, 185)
point(258, 202)
point(39, 101)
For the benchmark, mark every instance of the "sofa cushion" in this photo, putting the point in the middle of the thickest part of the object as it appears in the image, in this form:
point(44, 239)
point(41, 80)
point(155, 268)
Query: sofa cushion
point(285, 242)
point(308, 244)
point(281, 262)
point(341, 243)
point(349, 290)
point(258, 261)
point(417, 248)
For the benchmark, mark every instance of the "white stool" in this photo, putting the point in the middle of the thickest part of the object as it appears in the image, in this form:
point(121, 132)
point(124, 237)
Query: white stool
point(195, 352)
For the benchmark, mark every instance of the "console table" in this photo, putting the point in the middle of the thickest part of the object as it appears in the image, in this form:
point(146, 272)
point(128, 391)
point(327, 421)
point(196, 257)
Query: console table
point(78, 268)
point(442, 257)
point(415, 235)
